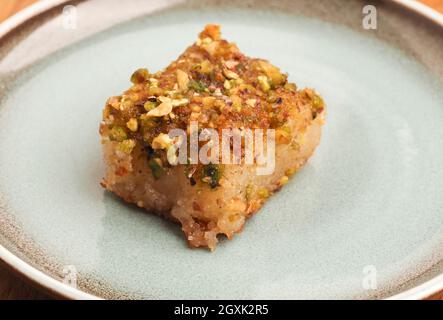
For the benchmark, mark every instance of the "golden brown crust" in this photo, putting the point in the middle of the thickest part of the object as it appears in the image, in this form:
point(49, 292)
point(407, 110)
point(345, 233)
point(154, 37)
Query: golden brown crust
point(217, 86)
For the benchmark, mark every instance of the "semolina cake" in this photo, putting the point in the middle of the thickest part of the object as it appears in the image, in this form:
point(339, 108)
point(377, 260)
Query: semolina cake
point(212, 88)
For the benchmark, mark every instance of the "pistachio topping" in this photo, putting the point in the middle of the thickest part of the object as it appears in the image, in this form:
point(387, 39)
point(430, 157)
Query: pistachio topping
point(211, 175)
point(149, 105)
point(162, 141)
point(251, 102)
point(118, 134)
point(132, 124)
point(215, 85)
point(264, 83)
point(156, 166)
point(197, 86)
point(126, 146)
point(182, 80)
point(140, 76)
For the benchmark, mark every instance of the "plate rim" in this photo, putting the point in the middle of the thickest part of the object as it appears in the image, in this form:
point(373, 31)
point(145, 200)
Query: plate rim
point(59, 289)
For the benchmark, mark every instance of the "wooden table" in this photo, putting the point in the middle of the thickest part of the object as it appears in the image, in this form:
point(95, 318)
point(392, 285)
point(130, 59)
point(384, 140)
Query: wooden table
point(12, 287)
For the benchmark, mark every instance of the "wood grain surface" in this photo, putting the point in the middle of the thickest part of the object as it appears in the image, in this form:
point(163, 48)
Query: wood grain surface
point(11, 287)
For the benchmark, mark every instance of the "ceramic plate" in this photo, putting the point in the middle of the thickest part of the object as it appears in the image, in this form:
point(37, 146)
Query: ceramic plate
point(363, 219)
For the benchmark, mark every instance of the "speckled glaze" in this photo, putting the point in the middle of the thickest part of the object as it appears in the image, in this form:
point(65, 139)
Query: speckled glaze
point(368, 201)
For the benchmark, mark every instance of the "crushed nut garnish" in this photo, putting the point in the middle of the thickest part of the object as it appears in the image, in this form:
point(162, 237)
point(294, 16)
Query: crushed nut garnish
point(251, 102)
point(230, 74)
point(160, 111)
point(231, 64)
point(222, 89)
point(126, 146)
point(139, 76)
point(162, 141)
point(182, 80)
point(264, 83)
point(132, 124)
point(149, 105)
point(118, 134)
point(153, 82)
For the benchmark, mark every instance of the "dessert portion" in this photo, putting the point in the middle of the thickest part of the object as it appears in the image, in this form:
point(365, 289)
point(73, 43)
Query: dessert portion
point(211, 87)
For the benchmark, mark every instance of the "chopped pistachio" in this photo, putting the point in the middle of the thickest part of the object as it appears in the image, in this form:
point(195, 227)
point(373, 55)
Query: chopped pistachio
point(155, 91)
point(118, 134)
point(132, 124)
point(208, 101)
point(227, 84)
point(147, 124)
point(206, 67)
point(236, 102)
point(264, 83)
point(162, 141)
point(217, 92)
point(211, 48)
point(153, 82)
point(182, 80)
point(251, 102)
point(290, 87)
point(272, 72)
point(156, 166)
point(211, 175)
point(140, 76)
point(126, 146)
point(197, 86)
point(317, 101)
point(149, 105)
point(272, 98)
point(134, 97)
point(126, 103)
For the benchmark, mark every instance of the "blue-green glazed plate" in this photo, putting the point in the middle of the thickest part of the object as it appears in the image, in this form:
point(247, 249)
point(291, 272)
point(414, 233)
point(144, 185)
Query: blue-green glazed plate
point(363, 219)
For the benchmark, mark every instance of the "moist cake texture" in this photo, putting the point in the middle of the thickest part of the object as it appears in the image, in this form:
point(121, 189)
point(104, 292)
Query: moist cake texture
point(212, 84)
